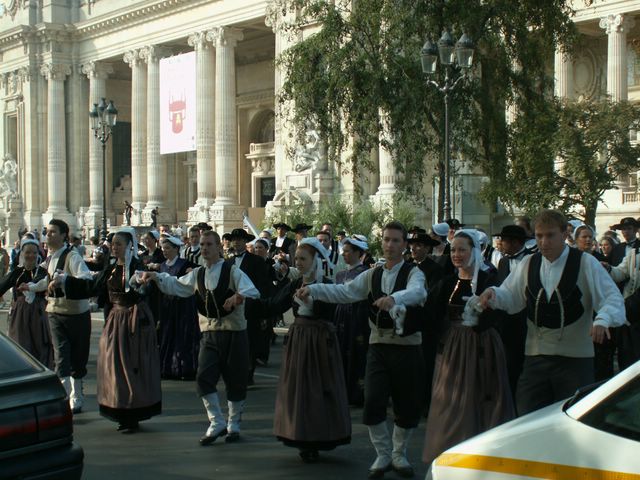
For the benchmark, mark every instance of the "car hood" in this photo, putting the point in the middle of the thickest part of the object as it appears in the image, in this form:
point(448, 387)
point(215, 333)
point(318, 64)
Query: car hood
point(537, 444)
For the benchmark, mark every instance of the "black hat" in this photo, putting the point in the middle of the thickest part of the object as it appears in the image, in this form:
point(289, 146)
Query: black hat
point(425, 239)
point(302, 226)
point(625, 222)
point(282, 225)
point(341, 232)
point(241, 233)
point(417, 229)
point(454, 223)
point(512, 231)
point(204, 226)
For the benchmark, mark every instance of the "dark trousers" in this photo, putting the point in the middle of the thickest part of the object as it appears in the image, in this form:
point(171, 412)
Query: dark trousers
point(547, 379)
point(396, 372)
point(70, 335)
point(224, 353)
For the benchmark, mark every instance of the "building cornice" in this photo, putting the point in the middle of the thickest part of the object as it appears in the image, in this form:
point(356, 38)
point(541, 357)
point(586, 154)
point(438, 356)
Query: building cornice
point(597, 10)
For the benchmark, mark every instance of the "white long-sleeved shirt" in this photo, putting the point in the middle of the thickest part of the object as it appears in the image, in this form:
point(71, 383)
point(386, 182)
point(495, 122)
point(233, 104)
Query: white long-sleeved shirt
point(414, 295)
point(599, 294)
point(76, 267)
point(187, 285)
point(628, 269)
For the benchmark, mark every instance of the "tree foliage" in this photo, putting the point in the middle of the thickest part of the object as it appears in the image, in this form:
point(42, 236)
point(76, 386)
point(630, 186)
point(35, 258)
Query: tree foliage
point(364, 59)
point(565, 155)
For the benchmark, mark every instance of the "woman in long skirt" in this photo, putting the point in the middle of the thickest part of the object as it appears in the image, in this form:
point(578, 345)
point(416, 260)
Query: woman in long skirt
point(28, 322)
point(312, 412)
point(471, 391)
point(179, 332)
point(352, 322)
point(128, 375)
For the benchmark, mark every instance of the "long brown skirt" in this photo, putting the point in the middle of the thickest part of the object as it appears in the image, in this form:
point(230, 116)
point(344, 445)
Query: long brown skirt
point(470, 389)
point(29, 327)
point(129, 365)
point(312, 411)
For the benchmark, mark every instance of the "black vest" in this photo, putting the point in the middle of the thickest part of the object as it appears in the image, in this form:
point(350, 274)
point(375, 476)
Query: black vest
point(413, 318)
point(548, 314)
point(209, 302)
point(59, 267)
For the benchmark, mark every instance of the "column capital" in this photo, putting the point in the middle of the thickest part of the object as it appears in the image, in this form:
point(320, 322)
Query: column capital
point(27, 73)
point(620, 23)
point(97, 70)
point(133, 57)
point(153, 53)
point(55, 71)
point(200, 40)
point(225, 36)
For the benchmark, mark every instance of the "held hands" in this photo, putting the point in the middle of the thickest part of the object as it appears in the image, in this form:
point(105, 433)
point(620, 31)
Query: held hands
point(486, 299)
point(55, 283)
point(23, 287)
point(303, 293)
point(146, 277)
point(385, 303)
point(599, 333)
point(233, 301)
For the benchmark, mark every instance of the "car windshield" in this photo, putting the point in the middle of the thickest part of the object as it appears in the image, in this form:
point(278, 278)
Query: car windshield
point(14, 362)
point(619, 413)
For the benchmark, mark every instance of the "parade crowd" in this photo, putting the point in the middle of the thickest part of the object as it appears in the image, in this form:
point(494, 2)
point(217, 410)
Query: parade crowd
point(461, 327)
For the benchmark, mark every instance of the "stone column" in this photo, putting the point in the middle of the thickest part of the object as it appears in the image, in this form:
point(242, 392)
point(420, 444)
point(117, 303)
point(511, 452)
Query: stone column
point(388, 176)
point(226, 213)
point(205, 126)
point(156, 169)
point(55, 74)
point(563, 74)
point(78, 135)
point(617, 27)
point(98, 73)
point(138, 134)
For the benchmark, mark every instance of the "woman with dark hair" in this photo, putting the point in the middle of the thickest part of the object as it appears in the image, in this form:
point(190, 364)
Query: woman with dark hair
point(152, 257)
point(584, 236)
point(607, 244)
point(128, 373)
point(471, 391)
point(28, 321)
point(352, 321)
point(312, 412)
point(179, 331)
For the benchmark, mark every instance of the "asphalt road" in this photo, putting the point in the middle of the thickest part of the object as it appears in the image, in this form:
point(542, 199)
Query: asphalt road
point(166, 447)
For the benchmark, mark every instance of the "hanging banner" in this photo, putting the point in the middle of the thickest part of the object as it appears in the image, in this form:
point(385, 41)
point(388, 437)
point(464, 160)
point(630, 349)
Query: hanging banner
point(178, 103)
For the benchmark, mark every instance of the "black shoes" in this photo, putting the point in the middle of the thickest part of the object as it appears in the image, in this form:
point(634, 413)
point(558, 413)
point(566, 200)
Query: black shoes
point(209, 439)
point(128, 428)
point(404, 472)
point(309, 456)
point(232, 437)
point(379, 472)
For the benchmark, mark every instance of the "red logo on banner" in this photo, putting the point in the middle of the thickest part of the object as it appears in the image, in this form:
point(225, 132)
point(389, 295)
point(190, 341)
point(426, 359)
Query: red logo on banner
point(177, 113)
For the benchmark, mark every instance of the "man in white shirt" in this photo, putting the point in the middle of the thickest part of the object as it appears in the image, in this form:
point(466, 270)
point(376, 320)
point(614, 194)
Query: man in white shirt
point(70, 320)
point(561, 288)
point(395, 365)
point(220, 288)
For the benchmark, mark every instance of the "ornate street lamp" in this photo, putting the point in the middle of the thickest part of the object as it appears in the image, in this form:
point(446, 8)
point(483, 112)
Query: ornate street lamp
point(103, 119)
point(458, 58)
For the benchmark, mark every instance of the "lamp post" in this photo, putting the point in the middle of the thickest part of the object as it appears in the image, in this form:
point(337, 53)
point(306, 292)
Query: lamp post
point(103, 119)
point(451, 55)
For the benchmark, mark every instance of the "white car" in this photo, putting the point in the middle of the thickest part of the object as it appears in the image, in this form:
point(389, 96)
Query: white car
point(595, 435)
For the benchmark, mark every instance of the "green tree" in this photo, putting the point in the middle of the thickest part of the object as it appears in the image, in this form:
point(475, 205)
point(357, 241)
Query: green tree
point(364, 59)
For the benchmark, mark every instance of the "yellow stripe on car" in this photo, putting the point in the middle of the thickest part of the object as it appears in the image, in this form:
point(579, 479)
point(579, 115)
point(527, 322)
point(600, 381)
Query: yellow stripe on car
point(529, 468)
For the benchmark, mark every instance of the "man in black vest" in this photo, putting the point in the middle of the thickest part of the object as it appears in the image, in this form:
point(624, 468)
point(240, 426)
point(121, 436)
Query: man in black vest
point(512, 328)
point(220, 289)
point(70, 320)
point(421, 245)
point(395, 366)
point(560, 288)
point(256, 269)
point(628, 227)
point(281, 243)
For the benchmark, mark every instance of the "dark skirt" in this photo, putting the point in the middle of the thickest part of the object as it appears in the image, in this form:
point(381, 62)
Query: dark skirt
point(352, 329)
point(29, 327)
point(128, 365)
point(471, 391)
point(179, 337)
point(311, 402)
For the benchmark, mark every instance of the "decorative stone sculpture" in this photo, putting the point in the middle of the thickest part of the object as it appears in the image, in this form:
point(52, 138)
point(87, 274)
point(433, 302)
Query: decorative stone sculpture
point(313, 154)
point(8, 178)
